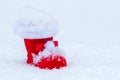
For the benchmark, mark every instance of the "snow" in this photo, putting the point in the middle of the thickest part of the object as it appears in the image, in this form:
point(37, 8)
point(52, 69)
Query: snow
point(34, 23)
point(50, 50)
point(56, 51)
point(89, 35)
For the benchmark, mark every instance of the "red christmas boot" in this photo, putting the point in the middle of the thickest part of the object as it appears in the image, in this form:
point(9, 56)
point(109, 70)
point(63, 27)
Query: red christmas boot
point(37, 28)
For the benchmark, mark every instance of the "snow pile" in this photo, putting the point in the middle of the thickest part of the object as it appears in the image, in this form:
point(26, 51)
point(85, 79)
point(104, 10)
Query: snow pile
point(34, 23)
point(50, 50)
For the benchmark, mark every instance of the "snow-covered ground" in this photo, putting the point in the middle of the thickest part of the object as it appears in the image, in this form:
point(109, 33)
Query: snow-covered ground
point(89, 34)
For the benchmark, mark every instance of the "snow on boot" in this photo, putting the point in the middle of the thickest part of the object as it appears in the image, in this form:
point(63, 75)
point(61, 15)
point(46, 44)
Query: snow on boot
point(51, 57)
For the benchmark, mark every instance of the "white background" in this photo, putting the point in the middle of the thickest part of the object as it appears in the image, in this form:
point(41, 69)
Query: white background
point(89, 34)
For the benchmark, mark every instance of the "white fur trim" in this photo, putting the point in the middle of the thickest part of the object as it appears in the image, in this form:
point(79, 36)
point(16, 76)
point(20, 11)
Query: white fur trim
point(33, 23)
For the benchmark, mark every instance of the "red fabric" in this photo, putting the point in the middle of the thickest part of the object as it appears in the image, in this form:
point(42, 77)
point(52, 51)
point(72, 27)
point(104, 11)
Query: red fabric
point(56, 43)
point(34, 46)
point(51, 62)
